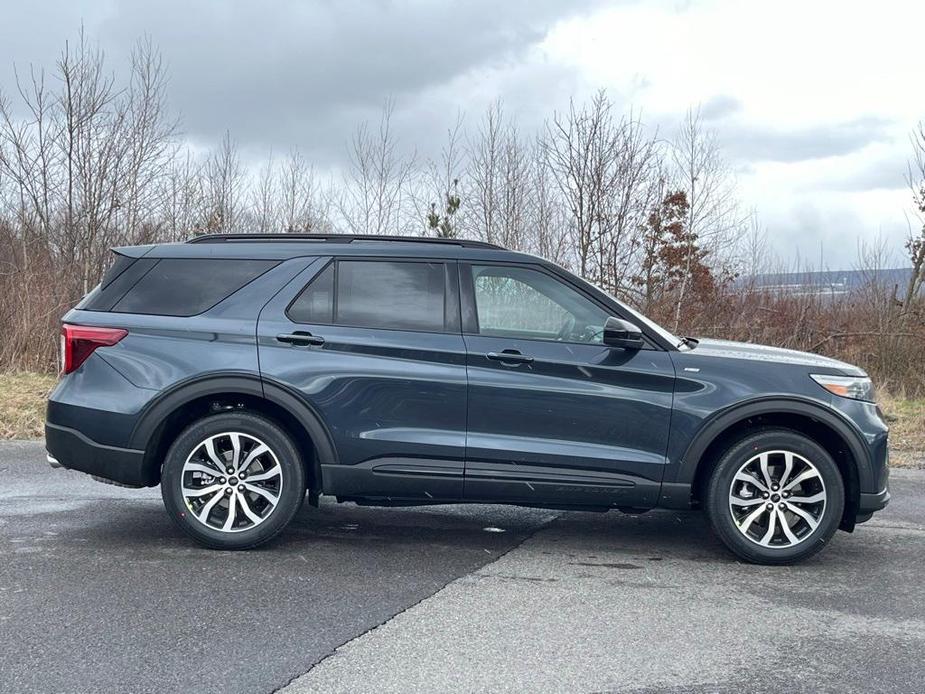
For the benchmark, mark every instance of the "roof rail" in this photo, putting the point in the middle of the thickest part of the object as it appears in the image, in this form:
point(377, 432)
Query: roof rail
point(336, 238)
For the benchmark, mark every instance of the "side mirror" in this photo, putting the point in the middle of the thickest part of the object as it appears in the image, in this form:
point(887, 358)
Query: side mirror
point(622, 333)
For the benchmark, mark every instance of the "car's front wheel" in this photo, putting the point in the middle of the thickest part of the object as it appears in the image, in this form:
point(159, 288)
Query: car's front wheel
point(233, 480)
point(775, 497)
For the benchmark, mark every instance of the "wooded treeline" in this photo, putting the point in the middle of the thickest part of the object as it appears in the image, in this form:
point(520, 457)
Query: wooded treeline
point(89, 161)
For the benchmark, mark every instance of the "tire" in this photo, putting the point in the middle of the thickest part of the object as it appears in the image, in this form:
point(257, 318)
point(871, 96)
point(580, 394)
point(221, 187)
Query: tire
point(810, 501)
point(200, 497)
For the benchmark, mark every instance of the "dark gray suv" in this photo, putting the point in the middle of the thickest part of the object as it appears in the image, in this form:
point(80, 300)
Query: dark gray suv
point(241, 371)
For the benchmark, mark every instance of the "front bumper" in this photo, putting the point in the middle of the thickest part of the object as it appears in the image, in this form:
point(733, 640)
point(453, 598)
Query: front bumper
point(870, 502)
point(73, 450)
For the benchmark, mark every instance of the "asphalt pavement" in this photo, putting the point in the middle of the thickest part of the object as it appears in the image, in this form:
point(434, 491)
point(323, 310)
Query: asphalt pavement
point(99, 592)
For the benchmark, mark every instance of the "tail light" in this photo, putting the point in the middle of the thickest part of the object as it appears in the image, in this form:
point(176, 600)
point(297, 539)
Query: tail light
point(79, 341)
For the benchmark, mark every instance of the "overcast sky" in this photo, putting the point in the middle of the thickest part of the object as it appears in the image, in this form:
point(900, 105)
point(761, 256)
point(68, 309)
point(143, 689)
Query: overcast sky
point(812, 99)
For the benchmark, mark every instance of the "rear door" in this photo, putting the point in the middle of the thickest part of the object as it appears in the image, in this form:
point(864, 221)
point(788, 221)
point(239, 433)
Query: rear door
point(555, 416)
point(373, 345)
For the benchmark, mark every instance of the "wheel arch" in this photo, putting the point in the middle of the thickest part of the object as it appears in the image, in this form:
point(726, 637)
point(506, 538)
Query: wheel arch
point(821, 424)
point(164, 418)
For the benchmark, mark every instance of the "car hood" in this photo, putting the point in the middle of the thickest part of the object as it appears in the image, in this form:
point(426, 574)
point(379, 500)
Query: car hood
point(746, 350)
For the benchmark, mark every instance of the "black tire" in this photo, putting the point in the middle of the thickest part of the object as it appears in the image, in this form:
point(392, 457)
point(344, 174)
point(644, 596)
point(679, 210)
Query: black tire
point(721, 483)
point(291, 481)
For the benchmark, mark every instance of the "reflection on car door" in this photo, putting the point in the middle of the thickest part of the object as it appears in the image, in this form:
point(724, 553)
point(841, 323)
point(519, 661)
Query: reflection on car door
point(555, 416)
point(373, 346)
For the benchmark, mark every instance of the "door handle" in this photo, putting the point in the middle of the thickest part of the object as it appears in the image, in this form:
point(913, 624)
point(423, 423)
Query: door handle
point(510, 357)
point(300, 337)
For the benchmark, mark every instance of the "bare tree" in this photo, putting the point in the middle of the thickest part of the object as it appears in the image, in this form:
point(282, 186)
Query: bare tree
point(754, 252)
point(222, 179)
point(296, 187)
point(548, 222)
point(85, 161)
point(439, 195)
point(607, 170)
point(915, 244)
point(635, 188)
point(180, 194)
point(151, 134)
point(264, 199)
point(376, 185)
point(83, 170)
point(714, 218)
point(514, 189)
point(484, 173)
point(575, 156)
point(95, 149)
point(500, 179)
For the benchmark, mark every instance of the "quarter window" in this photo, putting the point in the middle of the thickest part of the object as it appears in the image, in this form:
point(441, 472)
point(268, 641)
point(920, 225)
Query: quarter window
point(376, 294)
point(528, 304)
point(316, 302)
point(182, 286)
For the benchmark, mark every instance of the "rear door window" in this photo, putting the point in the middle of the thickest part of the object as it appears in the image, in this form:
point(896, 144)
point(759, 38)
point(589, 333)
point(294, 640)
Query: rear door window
point(396, 295)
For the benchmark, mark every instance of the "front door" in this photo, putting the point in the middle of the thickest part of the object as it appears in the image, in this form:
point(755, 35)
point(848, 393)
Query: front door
point(373, 347)
point(554, 415)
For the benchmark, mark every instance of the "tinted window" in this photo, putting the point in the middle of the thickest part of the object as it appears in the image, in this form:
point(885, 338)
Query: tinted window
point(114, 286)
point(120, 264)
point(523, 303)
point(316, 302)
point(401, 296)
point(185, 287)
point(376, 294)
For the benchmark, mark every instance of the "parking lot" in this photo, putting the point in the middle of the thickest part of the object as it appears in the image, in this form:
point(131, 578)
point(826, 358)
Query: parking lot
point(99, 592)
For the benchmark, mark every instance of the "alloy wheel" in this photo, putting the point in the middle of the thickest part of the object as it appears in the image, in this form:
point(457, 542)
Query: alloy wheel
point(231, 482)
point(777, 499)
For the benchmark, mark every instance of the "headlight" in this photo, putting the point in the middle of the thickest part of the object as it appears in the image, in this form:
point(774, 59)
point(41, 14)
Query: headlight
point(856, 387)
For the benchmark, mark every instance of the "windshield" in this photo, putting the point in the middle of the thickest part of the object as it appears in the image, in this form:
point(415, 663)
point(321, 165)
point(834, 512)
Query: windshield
point(655, 327)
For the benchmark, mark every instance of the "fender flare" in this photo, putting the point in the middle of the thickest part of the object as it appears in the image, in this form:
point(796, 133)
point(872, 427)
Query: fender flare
point(155, 413)
point(739, 412)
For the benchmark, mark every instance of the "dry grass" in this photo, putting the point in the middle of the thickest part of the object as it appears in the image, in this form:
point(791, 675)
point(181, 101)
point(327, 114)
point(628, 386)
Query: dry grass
point(907, 430)
point(22, 404)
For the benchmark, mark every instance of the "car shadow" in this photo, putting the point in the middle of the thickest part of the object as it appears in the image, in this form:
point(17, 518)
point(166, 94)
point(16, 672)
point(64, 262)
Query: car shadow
point(140, 525)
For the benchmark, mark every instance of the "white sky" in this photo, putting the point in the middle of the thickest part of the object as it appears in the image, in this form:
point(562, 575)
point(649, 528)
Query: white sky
point(791, 74)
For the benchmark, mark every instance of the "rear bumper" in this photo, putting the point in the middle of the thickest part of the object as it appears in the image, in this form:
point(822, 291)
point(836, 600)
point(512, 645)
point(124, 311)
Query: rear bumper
point(74, 451)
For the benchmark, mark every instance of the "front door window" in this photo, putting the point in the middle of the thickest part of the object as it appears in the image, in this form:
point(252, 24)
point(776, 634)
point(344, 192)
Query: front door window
point(522, 303)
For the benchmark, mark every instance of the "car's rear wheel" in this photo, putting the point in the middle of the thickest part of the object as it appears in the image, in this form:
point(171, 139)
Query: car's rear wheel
point(233, 480)
point(775, 497)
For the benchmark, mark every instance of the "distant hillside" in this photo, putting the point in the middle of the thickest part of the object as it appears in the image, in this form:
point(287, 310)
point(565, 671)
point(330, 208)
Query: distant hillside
point(827, 282)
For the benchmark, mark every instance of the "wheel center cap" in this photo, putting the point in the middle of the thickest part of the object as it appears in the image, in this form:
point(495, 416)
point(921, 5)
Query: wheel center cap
point(775, 498)
point(232, 480)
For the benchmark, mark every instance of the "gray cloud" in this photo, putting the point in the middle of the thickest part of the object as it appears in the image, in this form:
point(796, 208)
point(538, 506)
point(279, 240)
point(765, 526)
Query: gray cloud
point(827, 235)
point(303, 74)
point(755, 143)
point(885, 173)
point(719, 107)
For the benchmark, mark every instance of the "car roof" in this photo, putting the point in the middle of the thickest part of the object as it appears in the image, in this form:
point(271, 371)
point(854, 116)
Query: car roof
point(286, 246)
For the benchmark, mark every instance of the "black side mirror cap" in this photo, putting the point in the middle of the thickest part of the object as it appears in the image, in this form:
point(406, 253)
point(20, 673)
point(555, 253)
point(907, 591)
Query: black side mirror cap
point(622, 333)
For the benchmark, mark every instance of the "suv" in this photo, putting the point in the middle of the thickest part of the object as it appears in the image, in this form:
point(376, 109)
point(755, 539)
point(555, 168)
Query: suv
point(241, 371)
